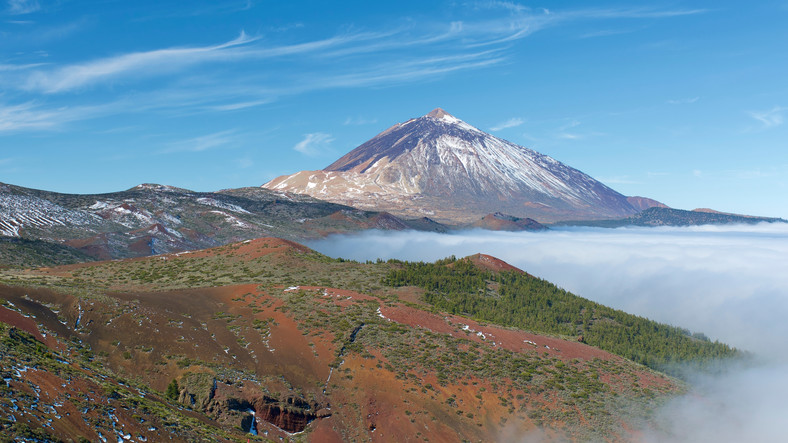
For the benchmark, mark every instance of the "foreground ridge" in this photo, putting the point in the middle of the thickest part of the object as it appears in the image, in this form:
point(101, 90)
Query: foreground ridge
point(269, 335)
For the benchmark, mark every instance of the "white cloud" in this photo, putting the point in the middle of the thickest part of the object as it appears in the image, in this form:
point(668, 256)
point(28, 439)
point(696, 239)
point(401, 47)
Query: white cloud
point(32, 116)
point(743, 404)
point(406, 70)
point(314, 144)
point(605, 33)
point(635, 13)
point(203, 143)
point(207, 78)
point(511, 123)
point(240, 105)
point(571, 124)
point(23, 6)
point(23, 116)
point(19, 67)
point(138, 63)
point(493, 4)
point(771, 118)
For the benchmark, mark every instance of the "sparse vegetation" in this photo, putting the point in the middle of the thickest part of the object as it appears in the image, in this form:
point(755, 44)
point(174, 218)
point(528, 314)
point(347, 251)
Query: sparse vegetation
point(513, 299)
point(173, 390)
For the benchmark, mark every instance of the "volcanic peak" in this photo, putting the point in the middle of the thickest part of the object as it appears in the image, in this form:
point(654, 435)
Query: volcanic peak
point(439, 113)
point(439, 166)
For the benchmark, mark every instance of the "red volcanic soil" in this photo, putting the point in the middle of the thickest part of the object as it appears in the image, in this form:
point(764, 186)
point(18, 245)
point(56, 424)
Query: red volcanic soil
point(518, 341)
point(397, 410)
point(343, 297)
point(78, 406)
point(95, 246)
point(503, 222)
point(19, 321)
point(251, 249)
point(246, 250)
point(642, 203)
point(491, 263)
point(511, 339)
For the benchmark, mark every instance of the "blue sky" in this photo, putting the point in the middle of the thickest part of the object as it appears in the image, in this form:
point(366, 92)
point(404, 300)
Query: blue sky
point(684, 102)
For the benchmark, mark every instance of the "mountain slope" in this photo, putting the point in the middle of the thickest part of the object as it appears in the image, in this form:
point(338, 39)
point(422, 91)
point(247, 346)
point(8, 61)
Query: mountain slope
point(442, 167)
point(503, 222)
point(152, 219)
point(661, 216)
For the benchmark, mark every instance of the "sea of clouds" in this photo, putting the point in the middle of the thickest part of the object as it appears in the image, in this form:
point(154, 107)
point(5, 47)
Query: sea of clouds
point(729, 282)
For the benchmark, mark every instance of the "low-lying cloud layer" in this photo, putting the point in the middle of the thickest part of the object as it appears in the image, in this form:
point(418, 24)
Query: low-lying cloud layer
point(728, 282)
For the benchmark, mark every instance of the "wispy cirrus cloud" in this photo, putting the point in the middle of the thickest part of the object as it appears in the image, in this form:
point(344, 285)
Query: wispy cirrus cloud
point(409, 71)
point(314, 144)
point(605, 33)
point(235, 106)
point(511, 123)
point(524, 22)
point(247, 71)
point(495, 4)
point(203, 143)
point(636, 13)
point(563, 133)
point(18, 7)
point(770, 118)
point(520, 24)
point(12, 67)
point(151, 62)
point(33, 116)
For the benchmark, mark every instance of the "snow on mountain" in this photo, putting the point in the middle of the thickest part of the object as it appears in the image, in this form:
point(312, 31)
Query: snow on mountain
point(154, 219)
point(124, 213)
point(222, 205)
point(22, 211)
point(440, 166)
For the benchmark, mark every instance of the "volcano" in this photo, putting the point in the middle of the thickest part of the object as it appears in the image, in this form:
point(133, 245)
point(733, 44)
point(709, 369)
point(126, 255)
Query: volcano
point(440, 167)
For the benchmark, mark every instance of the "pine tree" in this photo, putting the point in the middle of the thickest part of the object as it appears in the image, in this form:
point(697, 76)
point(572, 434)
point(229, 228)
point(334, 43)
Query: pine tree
point(173, 391)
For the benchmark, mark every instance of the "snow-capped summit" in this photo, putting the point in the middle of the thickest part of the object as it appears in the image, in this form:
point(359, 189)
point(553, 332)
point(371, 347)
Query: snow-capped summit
point(439, 166)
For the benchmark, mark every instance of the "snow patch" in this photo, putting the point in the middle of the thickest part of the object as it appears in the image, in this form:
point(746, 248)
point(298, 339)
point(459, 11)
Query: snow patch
point(222, 205)
point(232, 219)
